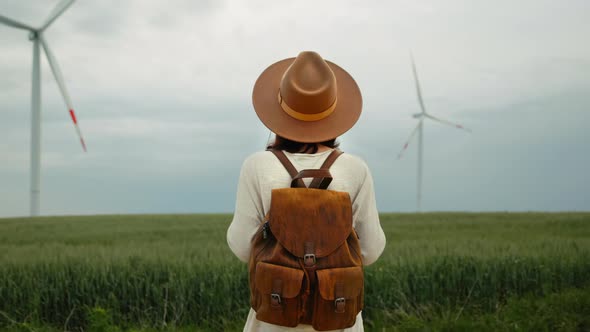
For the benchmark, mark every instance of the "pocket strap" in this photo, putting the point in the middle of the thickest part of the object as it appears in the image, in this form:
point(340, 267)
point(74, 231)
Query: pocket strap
point(275, 300)
point(340, 301)
point(275, 297)
point(309, 257)
point(340, 305)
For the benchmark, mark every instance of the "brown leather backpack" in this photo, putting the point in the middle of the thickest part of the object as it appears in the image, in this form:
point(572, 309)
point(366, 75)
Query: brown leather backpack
point(305, 264)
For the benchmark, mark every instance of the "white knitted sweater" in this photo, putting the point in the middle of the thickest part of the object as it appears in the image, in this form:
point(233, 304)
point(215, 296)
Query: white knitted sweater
point(262, 171)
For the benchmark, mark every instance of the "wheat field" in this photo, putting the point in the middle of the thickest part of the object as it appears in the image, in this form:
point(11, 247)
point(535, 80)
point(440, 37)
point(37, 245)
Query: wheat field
point(439, 271)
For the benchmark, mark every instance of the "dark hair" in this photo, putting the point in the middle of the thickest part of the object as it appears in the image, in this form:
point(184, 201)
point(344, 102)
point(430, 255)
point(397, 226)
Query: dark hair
point(288, 145)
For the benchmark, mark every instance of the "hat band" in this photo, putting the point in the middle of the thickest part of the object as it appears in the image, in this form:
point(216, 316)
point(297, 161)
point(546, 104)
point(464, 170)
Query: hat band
point(305, 116)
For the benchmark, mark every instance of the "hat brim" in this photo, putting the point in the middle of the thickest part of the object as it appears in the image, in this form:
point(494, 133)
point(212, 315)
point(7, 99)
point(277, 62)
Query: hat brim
point(345, 115)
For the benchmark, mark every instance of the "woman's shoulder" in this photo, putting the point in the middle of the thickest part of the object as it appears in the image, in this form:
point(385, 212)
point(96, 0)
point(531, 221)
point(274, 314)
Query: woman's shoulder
point(257, 161)
point(355, 168)
point(259, 157)
point(346, 161)
point(349, 171)
point(352, 159)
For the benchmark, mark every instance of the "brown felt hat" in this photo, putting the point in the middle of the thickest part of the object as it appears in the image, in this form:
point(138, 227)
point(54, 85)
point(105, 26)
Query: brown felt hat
point(307, 99)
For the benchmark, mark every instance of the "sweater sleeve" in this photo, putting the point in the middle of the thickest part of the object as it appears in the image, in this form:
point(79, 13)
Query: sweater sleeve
point(248, 212)
point(367, 225)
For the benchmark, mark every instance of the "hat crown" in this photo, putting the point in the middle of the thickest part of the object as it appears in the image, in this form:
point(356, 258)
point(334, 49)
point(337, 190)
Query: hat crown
point(308, 86)
point(307, 99)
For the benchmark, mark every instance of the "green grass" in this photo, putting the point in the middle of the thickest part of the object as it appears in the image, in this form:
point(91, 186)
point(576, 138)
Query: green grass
point(568, 310)
point(439, 271)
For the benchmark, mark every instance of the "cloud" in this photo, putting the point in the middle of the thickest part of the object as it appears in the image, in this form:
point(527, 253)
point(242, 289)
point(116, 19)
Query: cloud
point(163, 96)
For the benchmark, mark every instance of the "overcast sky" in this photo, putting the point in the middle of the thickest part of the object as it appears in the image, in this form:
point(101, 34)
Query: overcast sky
point(162, 90)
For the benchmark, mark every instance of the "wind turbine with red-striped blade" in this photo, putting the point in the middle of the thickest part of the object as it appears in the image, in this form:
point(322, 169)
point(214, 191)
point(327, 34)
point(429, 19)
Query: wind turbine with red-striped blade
point(36, 36)
point(420, 130)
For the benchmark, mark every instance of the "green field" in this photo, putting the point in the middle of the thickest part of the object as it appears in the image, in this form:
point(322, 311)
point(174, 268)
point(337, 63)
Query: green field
point(439, 271)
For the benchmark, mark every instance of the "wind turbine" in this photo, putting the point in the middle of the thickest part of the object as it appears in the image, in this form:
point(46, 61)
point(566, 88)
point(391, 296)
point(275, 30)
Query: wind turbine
point(423, 115)
point(36, 36)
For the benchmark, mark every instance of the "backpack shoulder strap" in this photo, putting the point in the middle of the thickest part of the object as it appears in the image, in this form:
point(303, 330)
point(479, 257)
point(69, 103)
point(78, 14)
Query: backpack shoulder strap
point(288, 166)
point(326, 166)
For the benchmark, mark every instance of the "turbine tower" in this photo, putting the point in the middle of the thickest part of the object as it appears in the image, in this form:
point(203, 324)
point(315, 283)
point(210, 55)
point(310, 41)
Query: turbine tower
point(36, 36)
point(421, 116)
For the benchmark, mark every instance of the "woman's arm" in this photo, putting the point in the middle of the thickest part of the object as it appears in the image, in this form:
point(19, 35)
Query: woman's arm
point(366, 217)
point(248, 212)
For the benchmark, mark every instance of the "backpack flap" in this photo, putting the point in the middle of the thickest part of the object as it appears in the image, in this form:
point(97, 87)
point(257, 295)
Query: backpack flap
point(350, 279)
point(310, 221)
point(268, 275)
point(277, 294)
point(339, 298)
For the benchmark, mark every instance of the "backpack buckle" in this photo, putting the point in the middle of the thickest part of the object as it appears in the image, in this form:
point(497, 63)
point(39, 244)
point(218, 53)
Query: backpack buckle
point(340, 303)
point(275, 300)
point(309, 259)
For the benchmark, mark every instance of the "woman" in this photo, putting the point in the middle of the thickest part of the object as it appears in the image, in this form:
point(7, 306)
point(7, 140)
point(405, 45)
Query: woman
point(308, 102)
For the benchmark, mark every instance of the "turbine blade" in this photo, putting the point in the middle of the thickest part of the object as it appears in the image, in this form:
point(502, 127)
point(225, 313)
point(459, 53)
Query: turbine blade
point(15, 24)
point(62, 87)
point(56, 12)
point(56, 71)
point(405, 147)
point(418, 89)
point(448, 123)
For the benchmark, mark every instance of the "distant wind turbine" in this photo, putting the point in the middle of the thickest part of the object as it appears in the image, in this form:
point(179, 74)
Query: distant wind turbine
point(36, 36)
point(420, 130)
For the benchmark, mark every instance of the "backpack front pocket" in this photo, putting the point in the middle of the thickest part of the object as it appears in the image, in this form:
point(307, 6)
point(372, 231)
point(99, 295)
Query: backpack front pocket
point(278, 289)
point(338, 299)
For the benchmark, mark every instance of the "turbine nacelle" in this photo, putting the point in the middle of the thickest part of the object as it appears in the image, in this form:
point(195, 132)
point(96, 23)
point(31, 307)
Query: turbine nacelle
point(418, 115)
point(34, 34)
